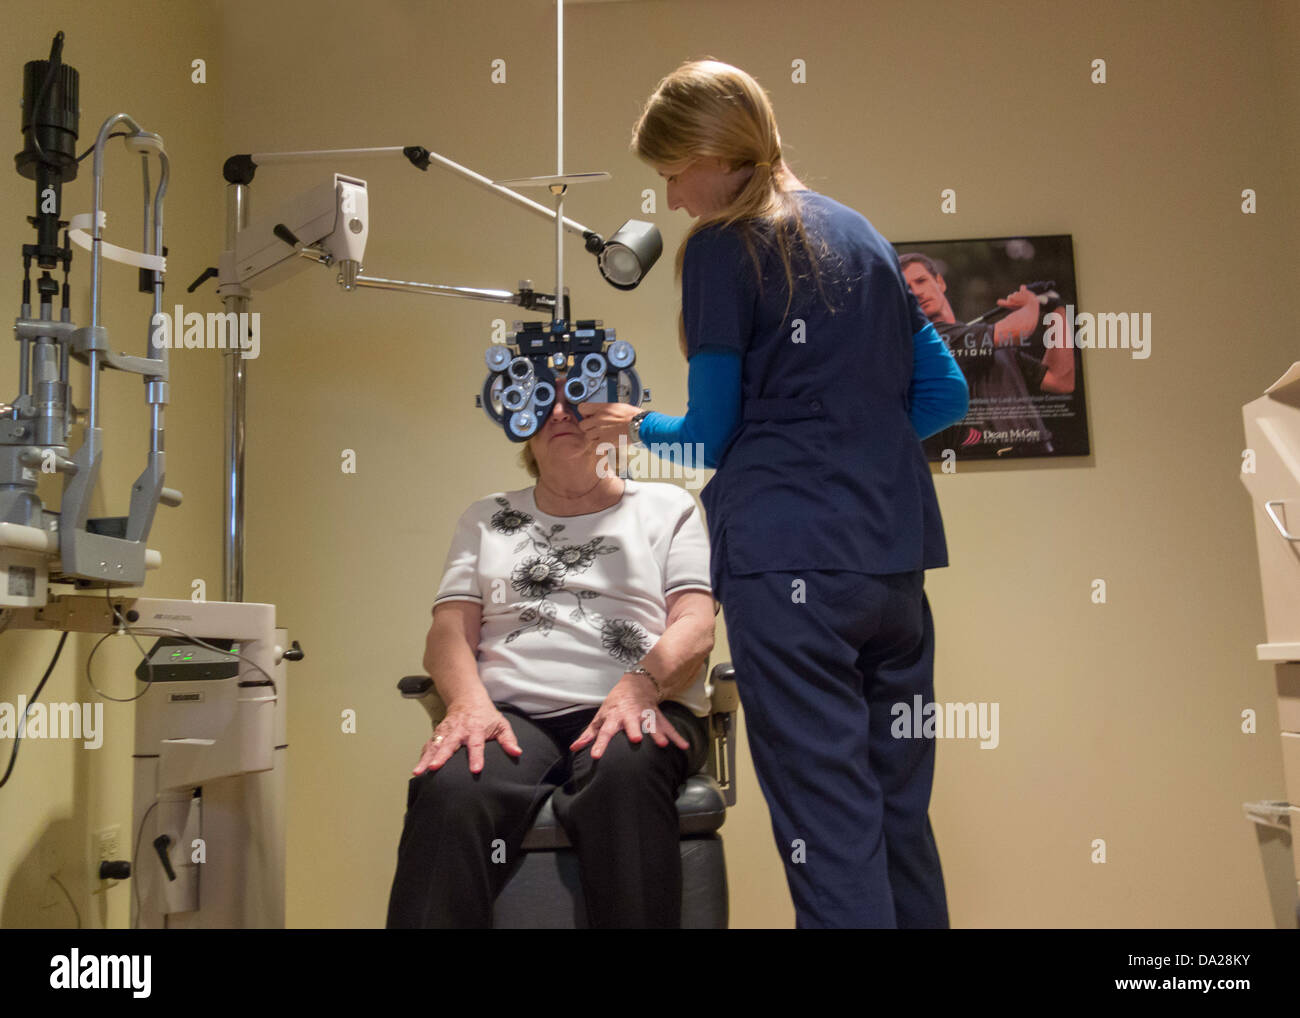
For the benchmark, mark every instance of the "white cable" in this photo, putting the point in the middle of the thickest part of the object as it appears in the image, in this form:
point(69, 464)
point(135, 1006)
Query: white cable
point(130, 631)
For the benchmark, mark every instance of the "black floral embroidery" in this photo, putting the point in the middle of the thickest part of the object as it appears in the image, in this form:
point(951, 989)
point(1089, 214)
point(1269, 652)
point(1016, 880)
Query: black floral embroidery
point(508, 520)
point(577, 556)
point(624, 640)
point(542, 576)
point(538, 576)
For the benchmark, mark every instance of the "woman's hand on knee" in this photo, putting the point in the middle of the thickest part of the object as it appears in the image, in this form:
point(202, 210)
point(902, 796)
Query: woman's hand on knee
point(632, 707)
point(472, 725)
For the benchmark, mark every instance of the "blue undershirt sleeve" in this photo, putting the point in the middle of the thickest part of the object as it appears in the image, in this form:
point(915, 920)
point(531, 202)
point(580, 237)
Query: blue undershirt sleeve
point(712, 413)
point(938, 395)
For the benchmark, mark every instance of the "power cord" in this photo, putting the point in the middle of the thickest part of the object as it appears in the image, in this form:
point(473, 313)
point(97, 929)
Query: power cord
point(123, 627)
point(135, 873)
point(75, 911)
point(18, 735)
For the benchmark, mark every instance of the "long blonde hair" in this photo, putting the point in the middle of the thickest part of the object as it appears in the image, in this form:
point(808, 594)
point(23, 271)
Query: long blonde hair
point(708, 109)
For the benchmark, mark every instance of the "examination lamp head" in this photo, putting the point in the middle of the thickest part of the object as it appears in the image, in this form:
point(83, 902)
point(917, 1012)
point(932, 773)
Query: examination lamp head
point(628, 255)
point(50, 119)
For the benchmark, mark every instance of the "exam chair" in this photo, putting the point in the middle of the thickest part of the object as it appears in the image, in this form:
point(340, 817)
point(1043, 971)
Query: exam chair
point(546, 893)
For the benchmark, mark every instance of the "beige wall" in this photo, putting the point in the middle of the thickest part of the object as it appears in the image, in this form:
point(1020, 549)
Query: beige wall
point(1119, 721)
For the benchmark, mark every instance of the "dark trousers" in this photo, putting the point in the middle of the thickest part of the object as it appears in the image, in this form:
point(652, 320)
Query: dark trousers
point(819, 667)
point(461, 839)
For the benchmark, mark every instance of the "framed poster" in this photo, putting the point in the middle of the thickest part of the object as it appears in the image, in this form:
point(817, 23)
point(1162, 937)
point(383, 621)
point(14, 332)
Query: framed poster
point(1001, 306)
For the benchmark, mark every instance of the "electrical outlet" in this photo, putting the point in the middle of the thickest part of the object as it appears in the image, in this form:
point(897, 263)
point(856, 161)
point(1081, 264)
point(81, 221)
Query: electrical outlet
point(108, 844)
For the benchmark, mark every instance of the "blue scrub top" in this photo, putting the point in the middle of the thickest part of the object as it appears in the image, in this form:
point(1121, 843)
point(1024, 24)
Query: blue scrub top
point(826, 471)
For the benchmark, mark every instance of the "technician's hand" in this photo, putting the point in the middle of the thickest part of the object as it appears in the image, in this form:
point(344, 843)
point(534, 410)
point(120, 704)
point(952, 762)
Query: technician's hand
point(467, 724)
point(606, 421)
point(623, 711)
point(1024, 318)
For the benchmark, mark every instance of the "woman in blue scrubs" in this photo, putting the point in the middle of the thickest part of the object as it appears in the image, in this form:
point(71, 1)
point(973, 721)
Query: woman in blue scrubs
point(813, 375)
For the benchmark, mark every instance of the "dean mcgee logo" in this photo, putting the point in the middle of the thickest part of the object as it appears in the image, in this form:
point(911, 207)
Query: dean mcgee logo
point(213, 331)
point(974, 436)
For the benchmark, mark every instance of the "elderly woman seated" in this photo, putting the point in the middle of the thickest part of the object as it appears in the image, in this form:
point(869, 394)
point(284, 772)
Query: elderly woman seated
point(568, 638)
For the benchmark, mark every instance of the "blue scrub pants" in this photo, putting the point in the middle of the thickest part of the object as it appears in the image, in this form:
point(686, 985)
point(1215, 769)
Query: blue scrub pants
point(819, 667)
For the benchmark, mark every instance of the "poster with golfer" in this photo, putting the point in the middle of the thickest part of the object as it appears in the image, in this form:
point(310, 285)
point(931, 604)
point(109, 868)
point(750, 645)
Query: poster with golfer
point(1003, 307)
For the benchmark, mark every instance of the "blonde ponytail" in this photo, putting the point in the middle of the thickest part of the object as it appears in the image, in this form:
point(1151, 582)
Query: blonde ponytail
point(708, 109)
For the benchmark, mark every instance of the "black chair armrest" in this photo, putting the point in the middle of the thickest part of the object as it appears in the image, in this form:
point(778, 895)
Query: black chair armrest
point(413, 686)
point(724, 698)
point(724, 702)
point(421, 687)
